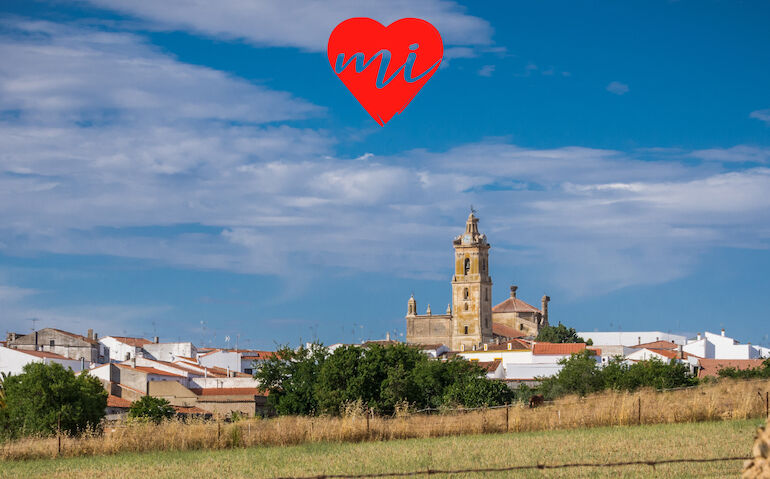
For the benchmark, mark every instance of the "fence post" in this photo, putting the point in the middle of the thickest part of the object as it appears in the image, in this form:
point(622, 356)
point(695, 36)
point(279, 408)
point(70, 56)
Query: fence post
point(639, 411)
point(58, 434)
point(507, 416)
point(367, 424)
point(219, 430)
point(767, 404)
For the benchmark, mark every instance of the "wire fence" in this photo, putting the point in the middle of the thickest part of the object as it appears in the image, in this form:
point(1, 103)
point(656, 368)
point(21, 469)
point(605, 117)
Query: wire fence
point(486, 470)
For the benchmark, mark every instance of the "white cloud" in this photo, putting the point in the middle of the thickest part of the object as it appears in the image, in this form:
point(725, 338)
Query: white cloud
point(617, 88)
point(761, 115)
point(299, 23)
point(735, 154)
point(486, 70)
point(55, 72)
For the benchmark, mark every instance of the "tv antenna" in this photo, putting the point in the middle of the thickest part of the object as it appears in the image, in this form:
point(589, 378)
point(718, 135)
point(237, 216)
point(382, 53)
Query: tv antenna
point(34, 320)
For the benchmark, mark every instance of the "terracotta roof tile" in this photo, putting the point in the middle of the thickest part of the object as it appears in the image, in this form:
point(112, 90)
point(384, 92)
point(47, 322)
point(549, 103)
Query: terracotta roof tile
point(516, 345)
point(514, 305)
point(506, 331)
point(490, 366)
point(657, 345)
point(115, 401)
point(44, 354)
point(190, 410)
point(135, 342)
point(558, 348)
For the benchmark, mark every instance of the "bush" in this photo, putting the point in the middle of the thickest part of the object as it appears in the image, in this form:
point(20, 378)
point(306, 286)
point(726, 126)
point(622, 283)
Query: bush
point(762, 371)
point(560, 334)
point(152, 409)
point(44, 395)
point(582, 375)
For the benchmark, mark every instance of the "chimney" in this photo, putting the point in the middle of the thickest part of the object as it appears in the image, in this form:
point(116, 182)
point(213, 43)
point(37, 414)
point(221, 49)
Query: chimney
point(723, 331)
point(698, 337)
point(681, 352)
point(133, 362)
point(544, 308)
point(638, 340)
point(90, 333)
point(387, 336)
point(156, 340)
point(513, 291)
point(96, 336)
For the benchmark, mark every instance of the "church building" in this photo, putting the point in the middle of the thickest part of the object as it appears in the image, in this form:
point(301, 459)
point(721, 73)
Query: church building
point(470, 319)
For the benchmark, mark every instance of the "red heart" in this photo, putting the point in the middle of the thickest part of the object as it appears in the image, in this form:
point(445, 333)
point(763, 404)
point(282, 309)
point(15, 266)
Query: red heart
point(358, 52)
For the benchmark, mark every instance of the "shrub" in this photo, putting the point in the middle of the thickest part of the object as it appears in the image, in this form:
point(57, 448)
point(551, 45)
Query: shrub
point(46, 395)
point(560, 334)
point(152, 409)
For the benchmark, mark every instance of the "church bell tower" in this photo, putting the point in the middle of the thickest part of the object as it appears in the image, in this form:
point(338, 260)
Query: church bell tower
point(471, 289)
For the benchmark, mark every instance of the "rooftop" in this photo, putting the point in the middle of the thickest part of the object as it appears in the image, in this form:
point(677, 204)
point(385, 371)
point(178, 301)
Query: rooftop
point(514, 305)
point(558, 348)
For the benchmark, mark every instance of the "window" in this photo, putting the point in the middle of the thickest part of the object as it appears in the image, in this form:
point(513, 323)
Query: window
point(51, 343)
point(521, 327)
point(466, 330)
point(466, 306)
point(467, 265)
point(465, 293)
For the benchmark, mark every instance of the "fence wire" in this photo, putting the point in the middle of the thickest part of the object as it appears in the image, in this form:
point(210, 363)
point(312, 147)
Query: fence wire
point(429, 472)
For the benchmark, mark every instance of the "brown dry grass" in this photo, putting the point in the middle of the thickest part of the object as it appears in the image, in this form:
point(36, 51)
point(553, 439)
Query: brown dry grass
point(721, 401)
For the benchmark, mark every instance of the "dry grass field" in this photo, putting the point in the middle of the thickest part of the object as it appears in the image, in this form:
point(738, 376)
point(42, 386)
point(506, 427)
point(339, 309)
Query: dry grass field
point(594, 445)
point(726, 400)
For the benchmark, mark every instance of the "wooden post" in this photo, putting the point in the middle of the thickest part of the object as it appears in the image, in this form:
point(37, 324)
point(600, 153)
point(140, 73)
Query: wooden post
point(767, 404)
point(639, 412)
point(507, 416)
point(367, 424)
point(58, 433)
point(219, 430)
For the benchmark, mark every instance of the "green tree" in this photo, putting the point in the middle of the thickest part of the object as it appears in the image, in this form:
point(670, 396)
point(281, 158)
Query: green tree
point(580, 374)
point(659, 374)
point(560, 334)
point(290, 377)
point(44, 394)
point(152, 409)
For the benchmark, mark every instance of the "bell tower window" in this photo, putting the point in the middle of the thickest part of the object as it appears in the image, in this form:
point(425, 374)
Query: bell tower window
point(466, 330)
point(467, 266)
point(465, 293)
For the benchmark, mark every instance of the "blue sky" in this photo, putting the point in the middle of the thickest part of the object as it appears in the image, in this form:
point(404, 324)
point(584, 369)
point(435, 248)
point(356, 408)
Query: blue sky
point(197, 171)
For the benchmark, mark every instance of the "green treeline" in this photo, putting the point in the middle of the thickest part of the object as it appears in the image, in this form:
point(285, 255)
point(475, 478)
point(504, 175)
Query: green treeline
point(310, 381)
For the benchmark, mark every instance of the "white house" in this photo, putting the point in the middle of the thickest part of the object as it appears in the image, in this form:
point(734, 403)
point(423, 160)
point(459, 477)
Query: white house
point(169, 351)
point(720, 346)
point(524, 362)
point(238, 360)
point(12, 361)
point(121, 348)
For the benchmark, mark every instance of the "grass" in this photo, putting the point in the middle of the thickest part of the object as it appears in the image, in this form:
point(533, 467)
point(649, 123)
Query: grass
point(604, 444)
point(725, 400)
